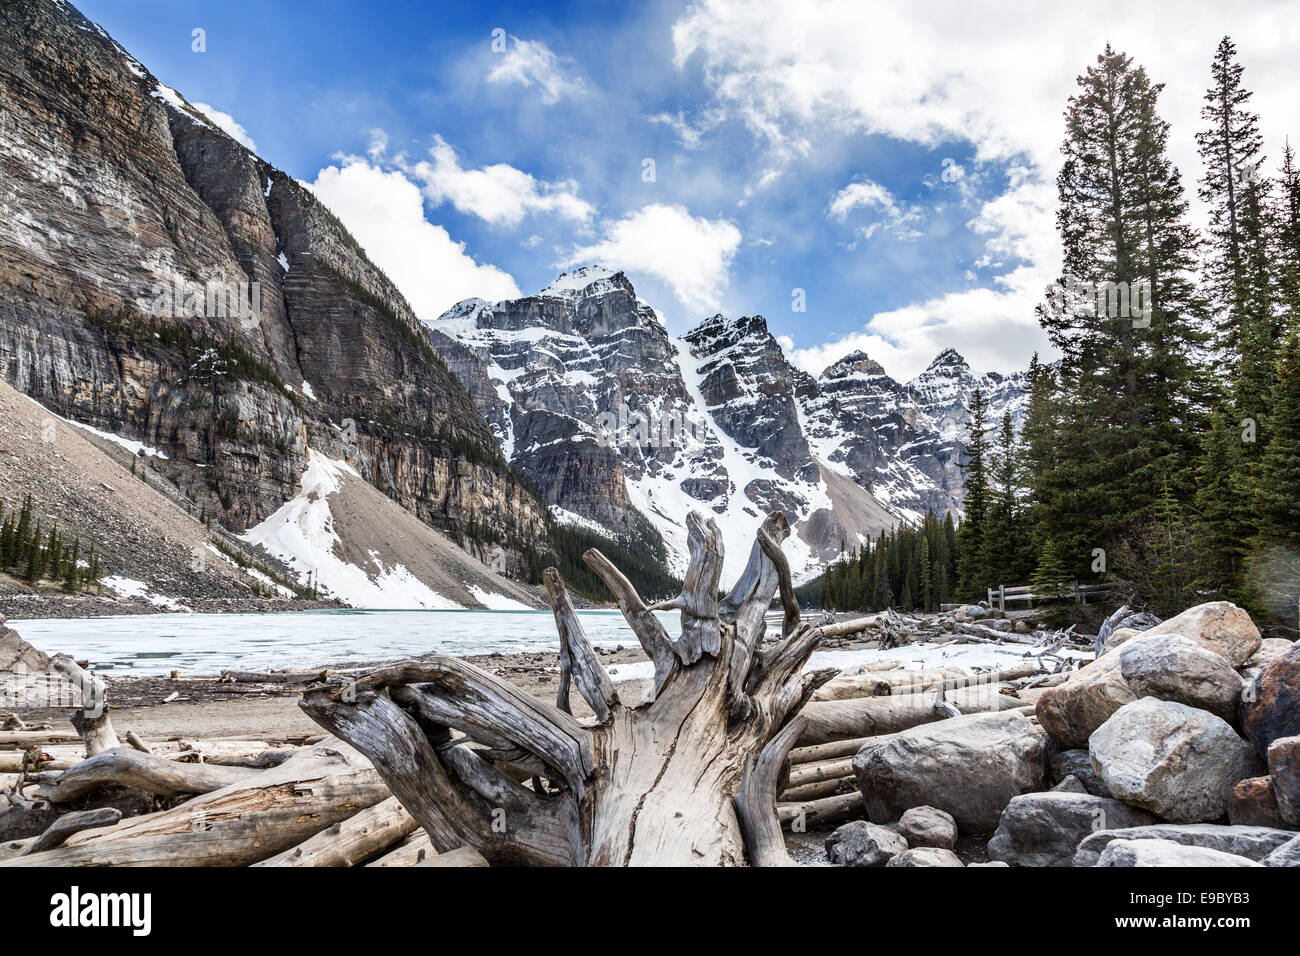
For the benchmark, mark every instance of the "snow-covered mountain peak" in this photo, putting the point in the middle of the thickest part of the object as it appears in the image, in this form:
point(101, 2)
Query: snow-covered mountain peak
point(857, 364)
point(586, 281)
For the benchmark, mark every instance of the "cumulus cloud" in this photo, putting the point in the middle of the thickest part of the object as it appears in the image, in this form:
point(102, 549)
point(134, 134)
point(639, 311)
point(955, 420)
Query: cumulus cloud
point(227, 124)
point(532, 63)
point(899, 219)
point(384, 210)
point(691, 255)
point(862, 193)
point(939, 73)
point(985, 325)
point(499, 194)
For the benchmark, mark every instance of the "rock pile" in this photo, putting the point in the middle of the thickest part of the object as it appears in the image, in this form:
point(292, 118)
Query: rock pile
point(1178, 746)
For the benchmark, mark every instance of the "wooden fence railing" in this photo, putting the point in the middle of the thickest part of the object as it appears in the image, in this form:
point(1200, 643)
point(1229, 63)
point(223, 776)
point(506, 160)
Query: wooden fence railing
point(1000, 595)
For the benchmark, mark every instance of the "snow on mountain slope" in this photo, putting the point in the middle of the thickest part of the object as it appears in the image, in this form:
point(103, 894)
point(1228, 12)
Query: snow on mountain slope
point(904, 441)
point(361, 547)
point(617, 423)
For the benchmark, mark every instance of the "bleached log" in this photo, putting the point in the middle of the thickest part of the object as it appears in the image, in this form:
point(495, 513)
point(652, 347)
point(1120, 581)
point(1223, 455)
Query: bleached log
point(22, 739)
point(236, 825)
point(872, 716)
point(849, 686)
point(65, 826)
point(812, 791)
point(276, 677)
point(143, 771)
point(461, 856)
point(855, 626)
point(814, 772)
point(827, 751)
point(815, 813)
point(685, 778)
point(91, 719)
point(350, 841)
point(414, 849)
point(756, 800)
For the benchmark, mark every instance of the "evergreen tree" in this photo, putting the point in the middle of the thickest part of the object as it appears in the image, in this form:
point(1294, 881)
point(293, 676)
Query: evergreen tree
point(972, 568)
point(1132, 396)
point(1230, 149)
point(1221, 504)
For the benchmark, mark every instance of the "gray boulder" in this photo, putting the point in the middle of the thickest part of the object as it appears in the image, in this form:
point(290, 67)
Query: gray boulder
point(1269, 648)
point(1270, 706)
point(16, 655)
point(1166, 853)
point(1288, 854)
point(1070, 784)
point(1044, 829)
point(863, 844)
point(1178, 762)
point(1173, 667)
point(1219, 626)
point(969, 766)
point(1070, 712)
point(1078, 764)
point(926, 856)
point(928, 827)
point(1253, 843)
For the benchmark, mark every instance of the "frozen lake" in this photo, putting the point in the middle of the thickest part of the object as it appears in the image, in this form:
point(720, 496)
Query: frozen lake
point(195, 644)
point(206, 644)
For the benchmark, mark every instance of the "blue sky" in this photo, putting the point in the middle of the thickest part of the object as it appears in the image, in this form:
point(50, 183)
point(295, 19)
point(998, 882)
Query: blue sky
point(895, 162)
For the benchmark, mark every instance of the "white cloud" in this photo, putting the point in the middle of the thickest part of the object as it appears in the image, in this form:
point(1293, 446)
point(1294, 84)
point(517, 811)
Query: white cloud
point(996, 78)
point(227, 124)
point(863, 193)
point(691, 255)
point(384, 210)
point(987, 326)
point(531, 62)
point(900, 219)
point(499, 194)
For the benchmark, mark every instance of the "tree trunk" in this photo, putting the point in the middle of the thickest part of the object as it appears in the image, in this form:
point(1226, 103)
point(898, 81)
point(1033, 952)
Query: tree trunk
point(689, 777)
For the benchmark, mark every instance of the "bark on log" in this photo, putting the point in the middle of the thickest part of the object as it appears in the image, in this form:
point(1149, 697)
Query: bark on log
point(236, 825)
point(349, 842)
point(652, 783)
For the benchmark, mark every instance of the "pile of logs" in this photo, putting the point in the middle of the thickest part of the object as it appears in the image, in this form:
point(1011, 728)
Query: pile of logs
point(90, 799)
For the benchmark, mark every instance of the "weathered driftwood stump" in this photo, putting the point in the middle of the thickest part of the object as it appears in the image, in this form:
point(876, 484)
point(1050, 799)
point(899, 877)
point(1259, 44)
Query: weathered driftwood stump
point(688, 777)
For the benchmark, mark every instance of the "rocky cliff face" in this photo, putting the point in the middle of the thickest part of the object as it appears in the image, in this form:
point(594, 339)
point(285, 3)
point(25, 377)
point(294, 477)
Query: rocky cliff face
point(159, 281)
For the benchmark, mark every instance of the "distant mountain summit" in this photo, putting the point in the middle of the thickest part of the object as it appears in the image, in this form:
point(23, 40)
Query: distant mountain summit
point(623, 427)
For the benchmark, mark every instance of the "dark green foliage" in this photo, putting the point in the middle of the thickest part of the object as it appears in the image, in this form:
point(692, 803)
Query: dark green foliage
point(641, 556)
point(28, 552)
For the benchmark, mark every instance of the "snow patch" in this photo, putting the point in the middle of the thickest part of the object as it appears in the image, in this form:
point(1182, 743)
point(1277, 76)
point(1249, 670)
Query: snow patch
point(496, 602)
point(301, 533)
point(131, 588)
